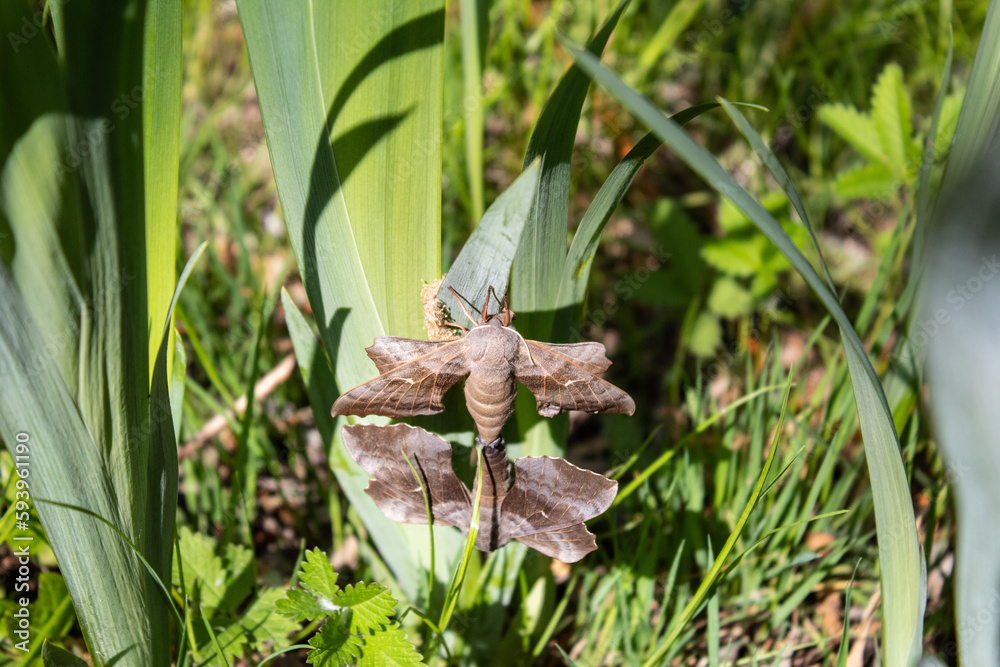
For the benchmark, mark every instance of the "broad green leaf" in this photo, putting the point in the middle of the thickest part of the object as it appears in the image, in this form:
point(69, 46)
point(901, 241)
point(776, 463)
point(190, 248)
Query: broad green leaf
point(891, 116)
point(960, 333)
point(978, 123)
point(729, 299)
point(223, 581)
point(898, 547)
point(161, 107)
point(541, 256)
point(38, 403)
point(736, 256)
point(351, 108)
point(100, 441)
point(856, 128)
point(705, 336)
point(263, 624)
point(486, 258)
point(380, 65)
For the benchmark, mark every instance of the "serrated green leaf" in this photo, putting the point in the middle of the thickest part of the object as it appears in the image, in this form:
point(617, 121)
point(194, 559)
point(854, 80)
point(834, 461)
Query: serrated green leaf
point(729, 299)
point(388, 648)
point(891, 116)
point(873, 181)
point(318, 576)
point(737, 256)
point(856, 128)
point(706, 335)
point(951, 107)
point(57, 656)
point(263, 623)
point(301, 606)
point(372, 606)
point(223, 582)
point(226, 635)
point(334, 646)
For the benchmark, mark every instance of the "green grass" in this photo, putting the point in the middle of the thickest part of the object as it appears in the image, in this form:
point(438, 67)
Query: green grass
point(703, 319)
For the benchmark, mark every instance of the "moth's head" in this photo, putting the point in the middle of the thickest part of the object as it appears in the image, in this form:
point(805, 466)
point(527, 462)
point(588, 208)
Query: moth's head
point(503, 318)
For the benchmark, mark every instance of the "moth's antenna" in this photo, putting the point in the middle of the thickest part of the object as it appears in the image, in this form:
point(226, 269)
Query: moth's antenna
point(507, 315)
point(462, 306)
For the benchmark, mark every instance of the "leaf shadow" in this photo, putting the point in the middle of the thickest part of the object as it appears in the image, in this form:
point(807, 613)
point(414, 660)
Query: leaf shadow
point(335, 160)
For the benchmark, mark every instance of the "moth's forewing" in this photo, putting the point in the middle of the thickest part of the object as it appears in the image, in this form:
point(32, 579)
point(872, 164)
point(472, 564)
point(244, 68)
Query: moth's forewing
point(396, 491)
point(562, 382)
point(550, 500)
point(390, 352)
point(412, 387)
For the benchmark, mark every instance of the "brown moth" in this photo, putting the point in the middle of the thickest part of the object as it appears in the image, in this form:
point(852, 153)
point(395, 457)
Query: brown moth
point(544, 508)
point(415, 374)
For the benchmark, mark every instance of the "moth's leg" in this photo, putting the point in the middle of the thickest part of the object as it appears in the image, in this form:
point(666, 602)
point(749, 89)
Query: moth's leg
point(457, 326)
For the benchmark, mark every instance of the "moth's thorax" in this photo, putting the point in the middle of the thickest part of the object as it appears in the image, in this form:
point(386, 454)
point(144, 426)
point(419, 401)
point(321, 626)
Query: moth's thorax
point(492, 347)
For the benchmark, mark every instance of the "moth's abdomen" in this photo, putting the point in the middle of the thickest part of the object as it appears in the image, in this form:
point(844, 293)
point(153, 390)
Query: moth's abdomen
point(490, 399)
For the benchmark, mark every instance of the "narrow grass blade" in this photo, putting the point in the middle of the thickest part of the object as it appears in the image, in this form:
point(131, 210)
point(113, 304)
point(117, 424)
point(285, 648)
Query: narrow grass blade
point(583, 249)
point(899, 551)
point(161, 107)
point(162, 471)
point(774, 166)
point(707, 585)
